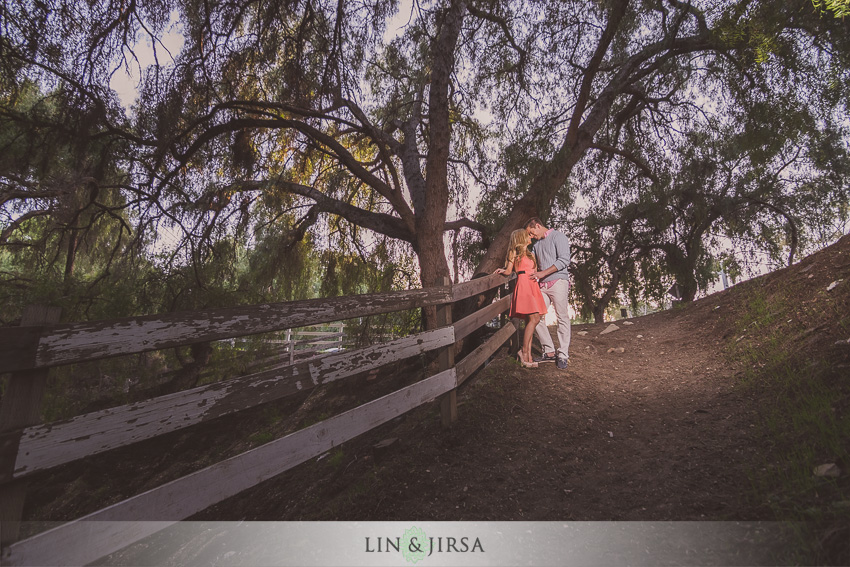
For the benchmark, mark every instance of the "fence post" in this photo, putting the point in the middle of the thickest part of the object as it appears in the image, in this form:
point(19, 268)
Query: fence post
point(515, 344)
point(21, 408)
point(291, 346)
point(446, 360)
point(516, 339)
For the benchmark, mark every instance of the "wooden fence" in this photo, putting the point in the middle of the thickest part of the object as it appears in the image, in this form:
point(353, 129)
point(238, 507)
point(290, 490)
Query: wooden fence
point(308, 342)
point(27, 446)
point(301, 344)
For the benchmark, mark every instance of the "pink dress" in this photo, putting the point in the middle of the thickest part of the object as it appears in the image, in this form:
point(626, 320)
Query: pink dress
point(527, 297)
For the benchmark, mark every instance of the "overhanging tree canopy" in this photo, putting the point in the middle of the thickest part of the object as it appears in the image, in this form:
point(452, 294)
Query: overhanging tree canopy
point(282, 104)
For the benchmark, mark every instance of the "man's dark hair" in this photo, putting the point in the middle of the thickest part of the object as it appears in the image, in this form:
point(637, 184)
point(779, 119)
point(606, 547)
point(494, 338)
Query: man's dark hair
point(533, 221)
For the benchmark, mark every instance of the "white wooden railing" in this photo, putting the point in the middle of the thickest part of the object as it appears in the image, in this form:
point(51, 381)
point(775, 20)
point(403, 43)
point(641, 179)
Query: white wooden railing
point(28, 446)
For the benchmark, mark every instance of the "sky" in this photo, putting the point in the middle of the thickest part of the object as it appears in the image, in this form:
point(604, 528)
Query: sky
point(125, 81)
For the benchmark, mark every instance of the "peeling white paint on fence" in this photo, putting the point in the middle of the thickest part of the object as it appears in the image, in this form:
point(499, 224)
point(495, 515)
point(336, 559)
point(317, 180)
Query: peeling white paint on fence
point(74, 543)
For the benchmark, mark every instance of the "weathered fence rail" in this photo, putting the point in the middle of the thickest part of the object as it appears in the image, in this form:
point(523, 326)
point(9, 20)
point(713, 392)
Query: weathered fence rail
point(46, 346)
point(27, 446)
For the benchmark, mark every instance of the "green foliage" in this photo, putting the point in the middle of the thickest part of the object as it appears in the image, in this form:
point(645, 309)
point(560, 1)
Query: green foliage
point(262, 437)
point(271, 418)
point(839, 8)
point(336, 459)
point(751, 38)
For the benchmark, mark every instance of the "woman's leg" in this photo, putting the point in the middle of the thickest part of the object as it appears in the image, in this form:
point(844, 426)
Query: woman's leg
point(530, 324)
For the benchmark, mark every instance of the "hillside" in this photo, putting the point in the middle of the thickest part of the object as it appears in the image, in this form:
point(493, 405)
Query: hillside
point(720, 410)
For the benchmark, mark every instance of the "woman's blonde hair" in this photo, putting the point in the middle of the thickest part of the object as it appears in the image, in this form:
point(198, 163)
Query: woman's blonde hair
point(519, 247)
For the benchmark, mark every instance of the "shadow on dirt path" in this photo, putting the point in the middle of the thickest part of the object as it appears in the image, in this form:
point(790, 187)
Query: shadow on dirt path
point(656, 432)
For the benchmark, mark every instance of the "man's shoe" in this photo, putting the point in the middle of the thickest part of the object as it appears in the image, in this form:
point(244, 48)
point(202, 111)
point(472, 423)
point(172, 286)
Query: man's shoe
point(544, 358)
point(562, 363)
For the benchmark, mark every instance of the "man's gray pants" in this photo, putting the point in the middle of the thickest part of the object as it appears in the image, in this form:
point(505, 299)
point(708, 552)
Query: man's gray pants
point(557, 297)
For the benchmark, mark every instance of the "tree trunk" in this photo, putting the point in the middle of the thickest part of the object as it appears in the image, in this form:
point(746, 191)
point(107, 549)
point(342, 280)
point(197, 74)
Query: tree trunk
point(538, 201)
point(70, 260)
point(431, 221)
point(188, 375)
point(523, 210)
point(607, 296)
point(682, 267)
point(598, 313)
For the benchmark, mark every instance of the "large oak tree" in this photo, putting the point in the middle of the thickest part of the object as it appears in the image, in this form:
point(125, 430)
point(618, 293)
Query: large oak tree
point(304, 103)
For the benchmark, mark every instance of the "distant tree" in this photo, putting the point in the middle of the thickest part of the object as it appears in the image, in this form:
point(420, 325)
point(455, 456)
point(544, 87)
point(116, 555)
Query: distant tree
point(63, 215)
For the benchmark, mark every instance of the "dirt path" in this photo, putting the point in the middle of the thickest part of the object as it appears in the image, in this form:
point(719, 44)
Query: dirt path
point(653, 433)
point(657, 432)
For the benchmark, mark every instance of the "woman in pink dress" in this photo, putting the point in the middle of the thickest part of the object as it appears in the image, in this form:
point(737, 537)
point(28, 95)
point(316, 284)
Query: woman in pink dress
point(527, 300)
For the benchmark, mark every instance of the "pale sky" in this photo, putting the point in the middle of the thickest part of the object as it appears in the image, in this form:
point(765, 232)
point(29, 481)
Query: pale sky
point(125, 81)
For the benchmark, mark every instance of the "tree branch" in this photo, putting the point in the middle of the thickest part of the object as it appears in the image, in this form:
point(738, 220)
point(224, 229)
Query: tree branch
point(15, 224)
point(618, 11)
point(381, 223)
point(792, 224)
point(503, 24)
point(465, 223)
point(647, 172)
point(339, 152)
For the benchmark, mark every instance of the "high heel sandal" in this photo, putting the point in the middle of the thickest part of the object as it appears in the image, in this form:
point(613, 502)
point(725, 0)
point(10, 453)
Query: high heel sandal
point(524, 363)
